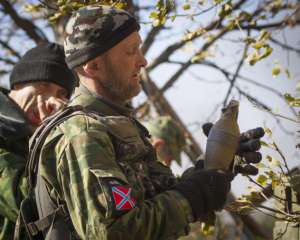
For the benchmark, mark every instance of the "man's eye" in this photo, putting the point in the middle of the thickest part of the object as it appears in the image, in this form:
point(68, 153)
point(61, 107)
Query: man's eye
point(132, 51)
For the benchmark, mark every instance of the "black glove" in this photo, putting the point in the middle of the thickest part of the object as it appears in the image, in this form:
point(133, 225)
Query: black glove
point(247, 152)
point(206, 190)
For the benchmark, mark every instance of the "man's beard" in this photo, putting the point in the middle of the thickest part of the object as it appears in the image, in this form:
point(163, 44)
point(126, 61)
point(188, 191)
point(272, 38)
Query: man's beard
point(114, 86)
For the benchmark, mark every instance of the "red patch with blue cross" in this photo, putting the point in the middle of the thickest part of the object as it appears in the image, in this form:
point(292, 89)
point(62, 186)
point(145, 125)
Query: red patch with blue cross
point(122, 197)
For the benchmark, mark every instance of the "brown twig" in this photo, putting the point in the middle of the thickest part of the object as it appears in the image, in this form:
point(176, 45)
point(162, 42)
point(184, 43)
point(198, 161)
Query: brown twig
point(164, 56)
point(283, 158)
point(186, 65)
point(235, 76)
point(285, 46)
point(26, 25)
point(151, 38)
point(9, 48)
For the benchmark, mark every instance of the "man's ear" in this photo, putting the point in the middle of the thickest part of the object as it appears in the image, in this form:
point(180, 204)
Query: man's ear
point(158, 142)
point(91, 68)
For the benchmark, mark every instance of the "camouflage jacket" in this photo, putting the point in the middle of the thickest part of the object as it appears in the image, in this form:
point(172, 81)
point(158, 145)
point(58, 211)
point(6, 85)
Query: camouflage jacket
point(107, 176)
point(14, 136)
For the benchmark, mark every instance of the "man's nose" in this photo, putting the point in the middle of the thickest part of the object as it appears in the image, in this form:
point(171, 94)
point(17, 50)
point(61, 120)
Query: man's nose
point(142, 60)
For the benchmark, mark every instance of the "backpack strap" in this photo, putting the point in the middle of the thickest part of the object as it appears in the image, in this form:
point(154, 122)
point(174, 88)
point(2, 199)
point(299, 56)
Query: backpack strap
point(42, 224)
point(40, 136)
point(32, 224)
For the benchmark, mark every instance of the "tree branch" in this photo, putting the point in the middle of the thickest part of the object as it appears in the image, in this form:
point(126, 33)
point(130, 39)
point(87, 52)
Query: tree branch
point(150, 38)
point(171, 81)
point(234, 77)
point(255, 101)
point(284, 22)
point(285, 46)
point(172, 48)
point(3, 72)
point(228, 74)
point(31, 30)
point(264, 108)
point(265, 26)
point(9, 48)
point(7, 61)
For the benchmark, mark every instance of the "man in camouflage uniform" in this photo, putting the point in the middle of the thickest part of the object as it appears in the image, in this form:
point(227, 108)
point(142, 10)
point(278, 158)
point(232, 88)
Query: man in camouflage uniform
point(35, 93)
point(167, 138)
point(96, 166)
point(103, 170)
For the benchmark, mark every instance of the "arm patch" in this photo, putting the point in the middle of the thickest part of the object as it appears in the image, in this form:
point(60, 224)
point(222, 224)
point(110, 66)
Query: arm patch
point(121, 195)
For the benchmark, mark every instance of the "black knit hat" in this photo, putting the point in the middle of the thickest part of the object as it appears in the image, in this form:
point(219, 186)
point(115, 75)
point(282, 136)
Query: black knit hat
point(93, 30)
point(44, 63)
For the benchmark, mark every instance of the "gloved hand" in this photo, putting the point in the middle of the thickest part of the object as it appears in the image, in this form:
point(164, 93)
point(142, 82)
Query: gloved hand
point(247, 152)
point(206, 190)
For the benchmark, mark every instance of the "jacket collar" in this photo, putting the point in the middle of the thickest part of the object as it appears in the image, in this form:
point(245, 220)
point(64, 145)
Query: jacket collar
point(95, 102)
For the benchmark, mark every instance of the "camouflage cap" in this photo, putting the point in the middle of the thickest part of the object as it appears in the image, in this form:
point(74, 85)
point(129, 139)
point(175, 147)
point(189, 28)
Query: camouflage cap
point(166, 128)
point(93, 30)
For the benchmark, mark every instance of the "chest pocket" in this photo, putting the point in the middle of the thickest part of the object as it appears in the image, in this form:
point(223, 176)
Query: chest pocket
point(129, 145)
point(132, 153)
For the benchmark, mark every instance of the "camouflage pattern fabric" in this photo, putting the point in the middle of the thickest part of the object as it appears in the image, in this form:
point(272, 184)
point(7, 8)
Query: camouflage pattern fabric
point(108, 184)
point(12, 190)
point(166, 128)
point(93, 30)
point(14, 135)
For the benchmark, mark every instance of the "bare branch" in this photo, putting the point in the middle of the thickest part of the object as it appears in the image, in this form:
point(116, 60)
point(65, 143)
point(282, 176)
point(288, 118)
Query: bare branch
point(279, 24)
point(7, 61)
point(150, 38)
point(164, 56)
point(258, 103)
point(48, 5)
point(253, 99)
point(3, 72)
point(285, 46)
point(131, 7)
point(264, 107)
point(198, 13)
point(174, 78)
point(228, 74)
point(31, 30)
point(9, 48)
point(283, 158)
point(234, 77)
point(185, 66)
